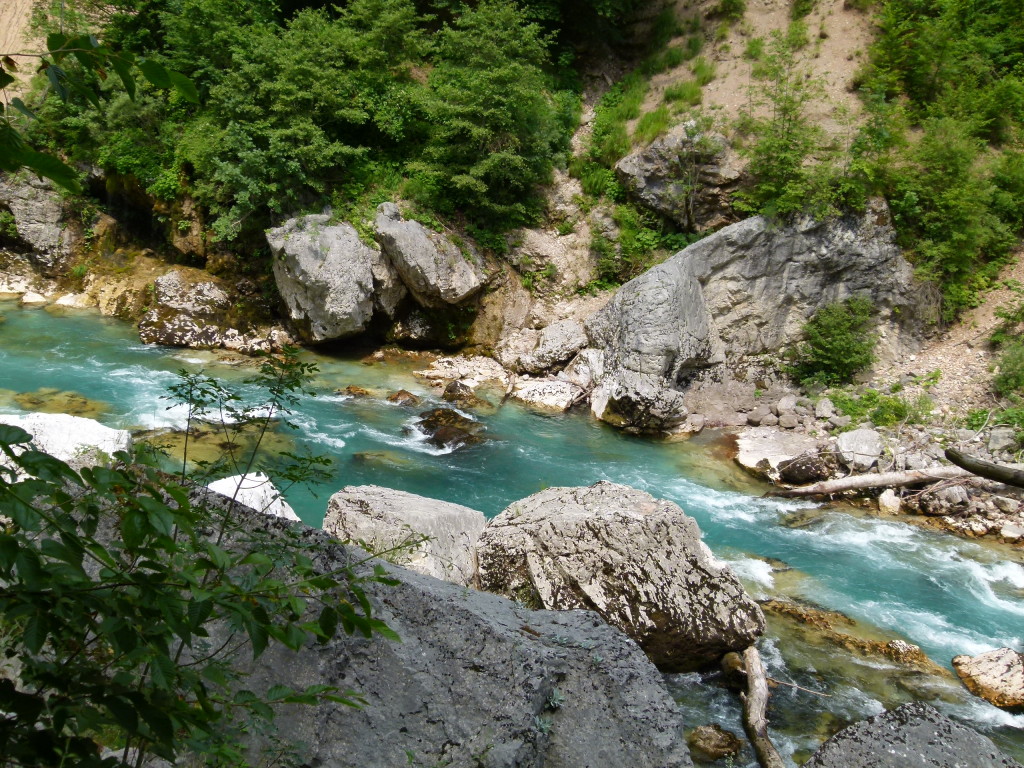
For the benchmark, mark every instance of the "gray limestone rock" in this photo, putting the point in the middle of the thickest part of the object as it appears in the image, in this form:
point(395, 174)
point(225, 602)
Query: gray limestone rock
point(186, 311)
point(686, 176)
point(996, 676)
point(38, 213)
point(914, 735)
point(330, 281)
point(763, 451)
point(859, 449)
point(431, 266)
point(638, 561)
point(530, 351)
point(824, 409)
point(1002, 439)
point(76, 441)
point(387, 520)
point(747, 290)
point(475, 681)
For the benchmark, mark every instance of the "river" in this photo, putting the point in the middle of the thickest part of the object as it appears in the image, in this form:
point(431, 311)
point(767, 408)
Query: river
point(947, 595)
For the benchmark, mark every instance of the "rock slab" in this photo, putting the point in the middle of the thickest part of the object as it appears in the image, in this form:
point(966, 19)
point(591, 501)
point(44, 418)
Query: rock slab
point(996, 676)
point(476, 681)
point(76, 441)
point(387, 519)
point(914, 735)
point(255, 491)
point(636, 560)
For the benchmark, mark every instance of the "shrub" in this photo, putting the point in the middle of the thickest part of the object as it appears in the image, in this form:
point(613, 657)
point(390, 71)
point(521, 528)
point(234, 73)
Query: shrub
point(703, 71)
point(651, 125)
point(688, 92)
point(839, 343)
point(1010, 379)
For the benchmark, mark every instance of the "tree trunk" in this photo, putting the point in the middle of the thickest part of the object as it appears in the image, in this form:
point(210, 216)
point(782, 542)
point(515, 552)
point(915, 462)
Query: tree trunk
point(884, 480)
point(755, 701)
point(987, 469)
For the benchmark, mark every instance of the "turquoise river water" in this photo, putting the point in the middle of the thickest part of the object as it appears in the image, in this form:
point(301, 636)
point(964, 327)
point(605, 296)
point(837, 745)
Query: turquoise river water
point(947, 595)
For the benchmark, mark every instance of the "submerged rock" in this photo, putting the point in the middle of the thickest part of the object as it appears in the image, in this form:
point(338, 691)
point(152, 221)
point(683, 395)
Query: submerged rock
point(914, 735)
point(996, 676)
point(709, 743)
point(404, 397)
point(636, 560)
point(429, 536)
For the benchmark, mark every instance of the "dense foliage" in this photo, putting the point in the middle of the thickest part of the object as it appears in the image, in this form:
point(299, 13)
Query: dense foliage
point(838, 344)
point(461, 108)
point(126, 596)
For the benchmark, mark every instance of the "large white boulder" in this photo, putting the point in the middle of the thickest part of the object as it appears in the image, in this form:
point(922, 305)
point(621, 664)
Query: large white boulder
point(443, 535)
point(78, 442)
point(636, 560)
point(996, 676)
point(256, 491)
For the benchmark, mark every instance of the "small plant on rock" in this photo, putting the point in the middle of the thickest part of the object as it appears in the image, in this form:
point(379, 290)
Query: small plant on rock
point(839, 343)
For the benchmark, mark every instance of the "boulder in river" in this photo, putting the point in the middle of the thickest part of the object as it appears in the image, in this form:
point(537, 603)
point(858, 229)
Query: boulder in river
point(636, 560)
point(433, 537)
point(765, 452)
point(446, 428)
point(996, 676)
point(914, 735)
point(255, 491)
point(433, 268)
point(330, 280)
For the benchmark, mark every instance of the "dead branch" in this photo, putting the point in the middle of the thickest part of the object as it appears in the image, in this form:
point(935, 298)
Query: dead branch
point(755, 701)
point(986, 469)
point(883, 480)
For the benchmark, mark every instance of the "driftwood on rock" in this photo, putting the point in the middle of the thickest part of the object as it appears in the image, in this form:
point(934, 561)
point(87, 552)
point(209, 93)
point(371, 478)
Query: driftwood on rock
point(882, 480)
point(986, 469)
point(755, 701)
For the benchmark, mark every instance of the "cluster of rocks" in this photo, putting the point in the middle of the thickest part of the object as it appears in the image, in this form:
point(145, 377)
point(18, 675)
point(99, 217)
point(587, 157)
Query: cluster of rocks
point(410, 284)
point(637, 561)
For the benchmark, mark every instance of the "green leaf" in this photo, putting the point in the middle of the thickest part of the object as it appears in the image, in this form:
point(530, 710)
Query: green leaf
point(328, 622)
point(5, 79)
point(258, 636)
point(46, 467)
point(278, 692)
point(184, 86)
point(57, 76)
point(11, 435)
point(56, 42)
point(123, 712)
point(19, 105)
point(36, 632)
point(198, 612)
point(51, 168)
point(124, 72)
point(156, 73)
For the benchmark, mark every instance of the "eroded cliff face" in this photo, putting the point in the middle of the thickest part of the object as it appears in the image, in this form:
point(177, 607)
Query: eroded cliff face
point(744, 291)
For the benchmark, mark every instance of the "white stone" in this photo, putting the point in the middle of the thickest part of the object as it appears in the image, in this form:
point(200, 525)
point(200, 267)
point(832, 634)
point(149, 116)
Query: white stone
point(385, 521)
point(555, 394)
point(255, 491)
point(760, 450)
point(31, 297)
point(889, 503)
point(75, 301)
point(996, 676)
point(860, 449)
point(76, 441)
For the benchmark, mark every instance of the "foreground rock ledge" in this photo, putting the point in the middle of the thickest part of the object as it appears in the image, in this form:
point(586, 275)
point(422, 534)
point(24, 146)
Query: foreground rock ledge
point(473, 684)
point(912, 736)
point(636, 560)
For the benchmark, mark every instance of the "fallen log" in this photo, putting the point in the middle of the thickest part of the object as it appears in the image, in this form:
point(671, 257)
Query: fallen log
point(883, 480)
point(986, 469)
point(755, 701)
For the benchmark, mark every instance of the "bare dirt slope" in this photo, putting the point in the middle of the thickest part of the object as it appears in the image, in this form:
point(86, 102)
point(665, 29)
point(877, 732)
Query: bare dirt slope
point(14, 19)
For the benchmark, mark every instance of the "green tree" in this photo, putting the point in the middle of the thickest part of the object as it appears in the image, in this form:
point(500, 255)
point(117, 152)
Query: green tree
point(495, 124)
point(839, 343)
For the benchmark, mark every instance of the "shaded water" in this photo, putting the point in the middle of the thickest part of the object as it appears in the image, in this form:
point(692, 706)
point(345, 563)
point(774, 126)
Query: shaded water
point(946, 595)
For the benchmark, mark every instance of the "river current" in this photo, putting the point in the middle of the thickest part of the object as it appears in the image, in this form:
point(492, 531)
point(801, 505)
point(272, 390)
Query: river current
point(944, 594)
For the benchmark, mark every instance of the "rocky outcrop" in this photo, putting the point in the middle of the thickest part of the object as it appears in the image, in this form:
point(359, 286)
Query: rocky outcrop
point(476, 680)
point(431, 266)
point(330, 281)
point(530, 351)
point(686, 176)
point(189, 309)
point(38, 213)
point(76, 441)
point(255, 491)
point(743, 291)
point(548, 393)
point(636, 560)
point(996, 676)
point(860, 449)
point(432, 537)
point(914, 735)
